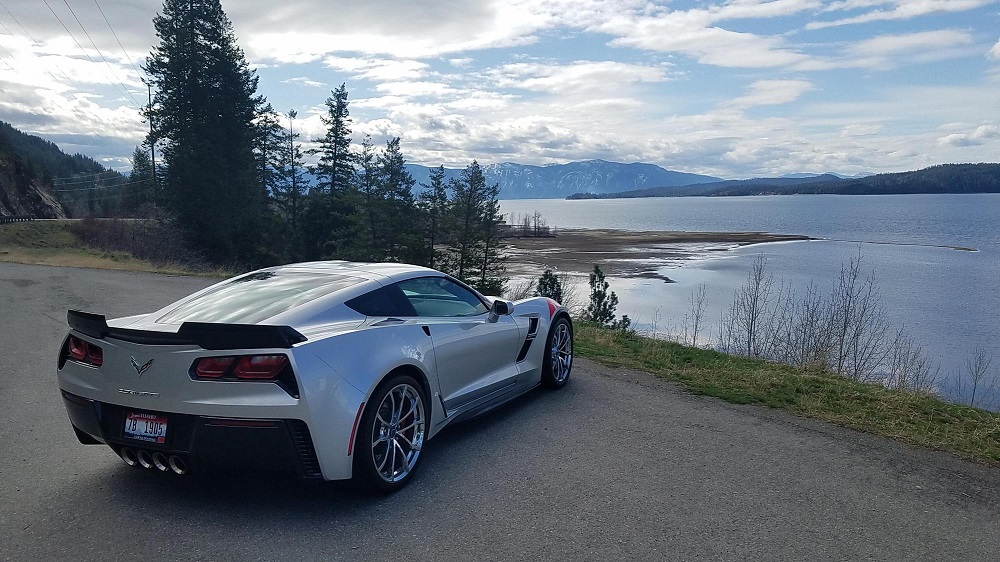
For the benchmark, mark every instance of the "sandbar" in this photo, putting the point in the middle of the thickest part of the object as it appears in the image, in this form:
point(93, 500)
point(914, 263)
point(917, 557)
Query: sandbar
point(623, 253)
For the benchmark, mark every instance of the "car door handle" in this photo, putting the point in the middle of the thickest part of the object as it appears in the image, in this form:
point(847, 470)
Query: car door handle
point(427, 330)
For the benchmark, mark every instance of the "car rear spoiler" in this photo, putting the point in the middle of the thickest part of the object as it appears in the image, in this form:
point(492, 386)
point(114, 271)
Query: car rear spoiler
point(203, 334)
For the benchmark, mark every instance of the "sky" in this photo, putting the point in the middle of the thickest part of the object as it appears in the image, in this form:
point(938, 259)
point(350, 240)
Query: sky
point(735, 89)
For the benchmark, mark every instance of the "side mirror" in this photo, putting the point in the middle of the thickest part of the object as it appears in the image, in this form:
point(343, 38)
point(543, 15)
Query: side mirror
point(500, 308)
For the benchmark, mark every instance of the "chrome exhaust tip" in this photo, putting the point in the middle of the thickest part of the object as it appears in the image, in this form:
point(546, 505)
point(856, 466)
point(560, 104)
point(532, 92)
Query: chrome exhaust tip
point(128, 456)
point(145, 461)
point(160, 462)
point(178, 465)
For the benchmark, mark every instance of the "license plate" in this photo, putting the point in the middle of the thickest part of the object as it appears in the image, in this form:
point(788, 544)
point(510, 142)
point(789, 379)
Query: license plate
point(146, 427)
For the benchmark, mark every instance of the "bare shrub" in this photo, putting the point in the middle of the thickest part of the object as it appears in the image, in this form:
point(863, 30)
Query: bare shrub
point(571, 299)
point(520, 289)
point(908, 368)
point(974, 384)
point(846, 332)
point(697, 301)
point(158, 241)
point(859, 328)
point(748, 326)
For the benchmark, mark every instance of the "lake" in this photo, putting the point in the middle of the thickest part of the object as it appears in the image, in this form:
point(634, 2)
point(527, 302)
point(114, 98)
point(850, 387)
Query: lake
point(918, 246)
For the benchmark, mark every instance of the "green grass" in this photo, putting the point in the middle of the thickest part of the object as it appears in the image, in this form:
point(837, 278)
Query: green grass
point(918, 419)
point(53, 243)
point(37, 235)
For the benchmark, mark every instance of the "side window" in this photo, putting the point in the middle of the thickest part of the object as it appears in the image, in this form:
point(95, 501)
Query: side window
point(441, 297)
point(386, 301)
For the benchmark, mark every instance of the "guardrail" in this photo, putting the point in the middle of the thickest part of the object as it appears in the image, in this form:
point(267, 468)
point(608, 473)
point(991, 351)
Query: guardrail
point(5, 220)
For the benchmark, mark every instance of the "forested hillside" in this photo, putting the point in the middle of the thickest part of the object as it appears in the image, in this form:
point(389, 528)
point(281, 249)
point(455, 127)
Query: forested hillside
point(23, 187)
point(945, 178)
point(82, 186)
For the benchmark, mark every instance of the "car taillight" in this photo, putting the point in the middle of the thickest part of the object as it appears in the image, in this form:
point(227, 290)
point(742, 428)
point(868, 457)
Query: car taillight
point(83, 352)
point(213, 367)
point(260, 366)
point(77, 348)
point(275, 369)
point(95, 355)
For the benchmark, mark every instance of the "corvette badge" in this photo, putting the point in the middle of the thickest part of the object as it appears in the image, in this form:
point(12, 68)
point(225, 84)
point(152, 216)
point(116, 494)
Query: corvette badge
point(141, 368)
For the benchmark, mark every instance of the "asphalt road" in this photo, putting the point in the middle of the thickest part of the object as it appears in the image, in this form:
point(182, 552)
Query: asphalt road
point(615, 466)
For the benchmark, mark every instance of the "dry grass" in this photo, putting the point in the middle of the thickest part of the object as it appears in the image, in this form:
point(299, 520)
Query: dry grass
point(915, 418)
point(52, 242)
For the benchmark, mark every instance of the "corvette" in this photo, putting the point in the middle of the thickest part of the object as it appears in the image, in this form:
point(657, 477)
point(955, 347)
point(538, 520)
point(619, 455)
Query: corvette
point(331, 370)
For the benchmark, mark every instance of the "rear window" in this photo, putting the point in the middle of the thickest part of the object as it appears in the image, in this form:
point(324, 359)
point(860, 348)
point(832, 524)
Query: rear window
point(253, 298)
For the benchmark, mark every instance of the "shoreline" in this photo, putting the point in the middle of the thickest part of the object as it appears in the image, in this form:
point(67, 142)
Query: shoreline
point(624, 253)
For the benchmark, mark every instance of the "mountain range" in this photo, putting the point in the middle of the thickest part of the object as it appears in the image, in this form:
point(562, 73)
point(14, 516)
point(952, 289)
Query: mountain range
point(943, 178)
point(557, 181)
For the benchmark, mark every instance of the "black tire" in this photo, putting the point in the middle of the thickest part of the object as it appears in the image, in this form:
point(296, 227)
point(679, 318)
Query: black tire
point(394, 423)
point(558, 360)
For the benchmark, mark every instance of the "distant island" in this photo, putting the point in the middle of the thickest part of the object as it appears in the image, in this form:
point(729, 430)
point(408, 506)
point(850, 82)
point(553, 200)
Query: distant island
point(945, 178)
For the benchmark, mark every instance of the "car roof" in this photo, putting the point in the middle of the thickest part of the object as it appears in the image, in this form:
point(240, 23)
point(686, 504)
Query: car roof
point(372, 271)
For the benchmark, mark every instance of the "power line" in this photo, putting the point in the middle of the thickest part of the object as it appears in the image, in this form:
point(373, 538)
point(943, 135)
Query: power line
point(9, 55)
point(104, 58)
point(97, 187)
point(78, 44)
point(117, 139)
point(116, 38)
point(36, 42)
point(83, 181)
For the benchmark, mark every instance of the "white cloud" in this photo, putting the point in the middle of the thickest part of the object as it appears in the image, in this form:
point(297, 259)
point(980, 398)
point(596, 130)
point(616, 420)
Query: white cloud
point(691, 33)
point(887, 45)
point(979, 136)
point(861, 130)
point(303, 81)
point(306, 31)
point(378, 69)
point(901, 10)
point(772, 92)
point(887, 51)
point(994, 53)
point(580, 77)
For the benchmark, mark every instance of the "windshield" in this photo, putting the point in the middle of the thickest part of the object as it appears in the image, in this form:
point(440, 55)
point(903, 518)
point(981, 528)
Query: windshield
point(256, 297)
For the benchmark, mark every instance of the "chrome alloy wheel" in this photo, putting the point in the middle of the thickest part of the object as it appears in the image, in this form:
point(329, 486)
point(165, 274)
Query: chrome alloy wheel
point(561, 352)
point(398, 433)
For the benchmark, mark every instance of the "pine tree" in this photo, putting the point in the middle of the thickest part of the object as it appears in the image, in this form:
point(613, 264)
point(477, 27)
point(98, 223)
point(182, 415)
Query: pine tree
point(330, 221)
point(203, 115)
point(602, 303)
point(290, 187)
point(335, 168)
point(139, 191)
point(474, 254)
point(433, 203)
point(366, 181)
point(549, 286)
point(268, 150)
point(400, 238)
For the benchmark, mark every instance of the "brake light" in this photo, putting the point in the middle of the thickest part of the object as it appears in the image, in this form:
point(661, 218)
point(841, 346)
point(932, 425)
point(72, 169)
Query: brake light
point(260, 366)
point(77, 348)
point(95, 355)
point(83, 352)
point(213, 367)
point(275, 369)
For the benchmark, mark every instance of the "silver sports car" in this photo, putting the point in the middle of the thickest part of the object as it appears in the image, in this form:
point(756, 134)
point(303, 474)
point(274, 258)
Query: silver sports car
point(332, 370)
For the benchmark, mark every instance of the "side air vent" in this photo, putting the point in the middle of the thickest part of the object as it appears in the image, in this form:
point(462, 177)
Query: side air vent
point(532, 332)
point(304, 445)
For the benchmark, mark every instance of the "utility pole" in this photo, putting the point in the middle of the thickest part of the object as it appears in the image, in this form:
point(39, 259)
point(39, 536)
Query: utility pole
point(152, 139)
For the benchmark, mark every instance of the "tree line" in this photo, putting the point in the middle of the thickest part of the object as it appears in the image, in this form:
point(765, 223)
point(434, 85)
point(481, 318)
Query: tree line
point(232, 173)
